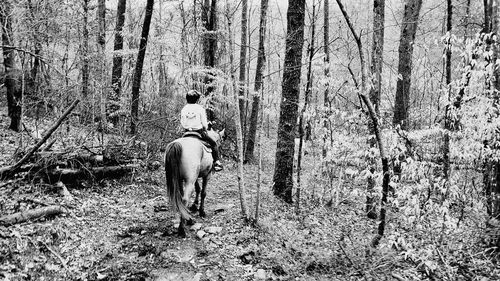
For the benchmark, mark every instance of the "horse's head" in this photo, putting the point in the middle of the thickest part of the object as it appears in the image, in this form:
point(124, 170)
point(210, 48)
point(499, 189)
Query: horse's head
point(217, 136)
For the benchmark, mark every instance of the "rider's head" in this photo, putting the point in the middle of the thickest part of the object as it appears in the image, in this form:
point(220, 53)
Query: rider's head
point(192, 96)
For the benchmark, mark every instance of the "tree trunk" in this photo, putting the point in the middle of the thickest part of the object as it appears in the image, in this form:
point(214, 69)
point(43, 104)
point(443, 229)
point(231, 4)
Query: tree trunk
point(488, 16)
point(406, 43)
point(209, 18)
point(138, 67)
point(377, 51)
point(85, 63)
point(261, 61)
point(306, 103)
point(13, 75)
point(239, 132)
point(116, 73)
point(447, 120)
point(326, 98)
point(283, 171)
point(326, 46)
point(376, 69)
point(243, 57)
point(101, 42)
point(491, 172)
point(376, 128)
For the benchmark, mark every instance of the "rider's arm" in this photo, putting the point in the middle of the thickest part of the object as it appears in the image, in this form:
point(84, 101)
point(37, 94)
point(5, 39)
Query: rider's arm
point(204, 121)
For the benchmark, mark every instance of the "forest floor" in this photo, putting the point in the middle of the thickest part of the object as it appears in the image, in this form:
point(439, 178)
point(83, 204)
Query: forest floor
point(125, 230)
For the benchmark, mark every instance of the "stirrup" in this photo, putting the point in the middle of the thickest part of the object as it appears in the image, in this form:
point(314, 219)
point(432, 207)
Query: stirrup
point(217, 168)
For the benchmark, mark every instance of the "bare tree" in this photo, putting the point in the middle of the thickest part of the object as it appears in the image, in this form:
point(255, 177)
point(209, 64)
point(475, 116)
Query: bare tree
point(326, 46)
point(376, 70)
point(13, 75)
point(283, 170)
point(363, 93)
point(243, 59)
point(116, 72)
point(101, 42)
point(447, 119)
point(406, 43)
point(85, 62)
point(138, 67)
point(261, 61)
point(310, 51)
point(239, 132)
point(209, 19)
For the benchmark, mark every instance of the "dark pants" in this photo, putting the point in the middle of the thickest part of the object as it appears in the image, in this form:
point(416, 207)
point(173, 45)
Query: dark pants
point(213, 144)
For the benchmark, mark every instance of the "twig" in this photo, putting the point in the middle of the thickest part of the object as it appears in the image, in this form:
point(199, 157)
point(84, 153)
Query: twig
point(349, 259)
point(31, 200)
point(61, 259)
point(445, 264)
point(397, 276)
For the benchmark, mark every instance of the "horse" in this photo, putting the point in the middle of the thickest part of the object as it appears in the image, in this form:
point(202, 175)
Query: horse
point(186, 160)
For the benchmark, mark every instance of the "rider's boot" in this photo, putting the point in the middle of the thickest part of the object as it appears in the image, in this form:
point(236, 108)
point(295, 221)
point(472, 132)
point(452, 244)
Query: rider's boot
point(218, 166)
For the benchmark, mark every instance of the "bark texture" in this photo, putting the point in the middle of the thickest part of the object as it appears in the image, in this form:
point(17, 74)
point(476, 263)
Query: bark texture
point(243, 59)
point(283, 171)
point(13, 75)
point(116, 72)
point(261, 61)
point(85, 62)
point(138, 67)
point(376, 69)
point(447, 120)
point(209, 18)
point(406, 43)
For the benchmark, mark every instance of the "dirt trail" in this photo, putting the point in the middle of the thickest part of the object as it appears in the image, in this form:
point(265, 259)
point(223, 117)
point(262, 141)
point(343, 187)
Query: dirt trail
point(126, 231)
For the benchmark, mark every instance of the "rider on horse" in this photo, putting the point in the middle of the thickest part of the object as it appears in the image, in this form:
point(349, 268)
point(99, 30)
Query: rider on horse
point(194, 119)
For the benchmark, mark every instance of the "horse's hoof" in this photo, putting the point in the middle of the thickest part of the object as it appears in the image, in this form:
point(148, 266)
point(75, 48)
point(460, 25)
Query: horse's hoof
point(182, 232)
point(202, 214)
point(193, 208)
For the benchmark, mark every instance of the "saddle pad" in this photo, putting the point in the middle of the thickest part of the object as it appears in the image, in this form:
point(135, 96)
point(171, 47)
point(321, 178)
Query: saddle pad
point(197, 135)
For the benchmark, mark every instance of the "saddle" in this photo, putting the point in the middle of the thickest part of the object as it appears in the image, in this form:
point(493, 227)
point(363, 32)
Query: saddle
point(197, 135)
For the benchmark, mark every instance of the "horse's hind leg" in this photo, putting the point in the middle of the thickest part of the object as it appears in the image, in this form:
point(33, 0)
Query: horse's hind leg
point(203, 195)
point(182, 228)
point(197, 188)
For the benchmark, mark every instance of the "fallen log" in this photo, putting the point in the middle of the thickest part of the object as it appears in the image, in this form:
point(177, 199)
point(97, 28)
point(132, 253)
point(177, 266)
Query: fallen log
point(11, 170)
point(72, 175)
point(31, 215)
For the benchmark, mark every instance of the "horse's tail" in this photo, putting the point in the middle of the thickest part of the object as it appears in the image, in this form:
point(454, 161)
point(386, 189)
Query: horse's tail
point(174, 180)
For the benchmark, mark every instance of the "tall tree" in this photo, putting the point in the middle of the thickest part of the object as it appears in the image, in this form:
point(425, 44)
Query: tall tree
point(261, 61)
point(101, 42)
point(85, 62)
point(12, 73)
point(447, 120)
point(376, 70)
point(243, 59)
point(491, 168)
point(116, 72)
point(307, 96)
point(363, 94)
point(35, 23)
point(406, 43)
point(136, 82)
point(377, 51)
point(326, 46)
point(209, 19)
point(239, 131)
point(283, 170)
point(326, 98)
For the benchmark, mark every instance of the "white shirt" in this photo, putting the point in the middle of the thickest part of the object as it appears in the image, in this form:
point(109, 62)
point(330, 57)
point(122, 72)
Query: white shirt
point(193, 117)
